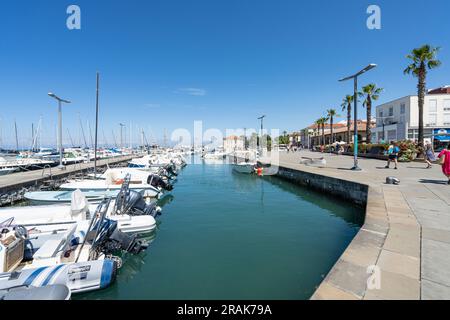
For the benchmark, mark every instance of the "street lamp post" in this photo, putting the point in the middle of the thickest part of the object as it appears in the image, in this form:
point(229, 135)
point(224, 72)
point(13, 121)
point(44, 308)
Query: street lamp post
point(355, 110)
point(262, 128)
point(121, 140)
point(60, 101)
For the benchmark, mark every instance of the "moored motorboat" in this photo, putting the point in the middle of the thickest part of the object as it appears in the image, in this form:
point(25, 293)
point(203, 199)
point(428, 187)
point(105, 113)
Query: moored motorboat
point(244, 167)
point(132, 213)
point(5, 171)
point(79, 257)
point(65, 197)
point(151, 184)
point(24, 292)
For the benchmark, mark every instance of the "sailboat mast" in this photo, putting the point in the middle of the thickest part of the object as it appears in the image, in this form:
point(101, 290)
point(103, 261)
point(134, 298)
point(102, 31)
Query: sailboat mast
point(17, 139)
point(32, 136)
point(96, 126)
point(1, 140)
point(82, 131)
point(131, 134)
point(70, 137)
point(105, 142)
point(90, 134)
point(114, 137)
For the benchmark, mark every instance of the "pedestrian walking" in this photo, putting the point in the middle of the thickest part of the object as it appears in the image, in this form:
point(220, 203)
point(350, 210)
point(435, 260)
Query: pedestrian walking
point(445, 161)
point(429, 156)
point(393, 152)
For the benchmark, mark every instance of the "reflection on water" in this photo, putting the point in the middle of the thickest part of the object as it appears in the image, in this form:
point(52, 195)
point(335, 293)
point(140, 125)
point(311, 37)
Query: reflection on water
point(165, 200)
point(352, 214)
point(225, 235)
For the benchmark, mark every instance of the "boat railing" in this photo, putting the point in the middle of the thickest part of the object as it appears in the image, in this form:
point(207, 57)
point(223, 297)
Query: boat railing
point(50, 175)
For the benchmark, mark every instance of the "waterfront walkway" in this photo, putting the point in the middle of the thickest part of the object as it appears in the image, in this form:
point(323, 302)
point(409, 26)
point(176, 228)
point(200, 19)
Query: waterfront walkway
point(406, 233)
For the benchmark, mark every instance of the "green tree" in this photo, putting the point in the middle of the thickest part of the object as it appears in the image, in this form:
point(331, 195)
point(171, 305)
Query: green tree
point(321, 124)
point(268, 139)
point(370, 93)
point(284, 139)
point(347, 105)
point(331, 114)
point(422, 60)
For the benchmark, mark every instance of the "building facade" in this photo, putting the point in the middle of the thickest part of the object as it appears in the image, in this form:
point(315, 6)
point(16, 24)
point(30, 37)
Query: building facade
point(233, 143)
point(399, 119)
point(313, 135)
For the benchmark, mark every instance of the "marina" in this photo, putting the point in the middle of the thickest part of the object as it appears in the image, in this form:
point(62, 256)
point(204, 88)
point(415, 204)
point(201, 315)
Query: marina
point(238, 236)
point(224, 158)
point(13, 186)
point(78, 245)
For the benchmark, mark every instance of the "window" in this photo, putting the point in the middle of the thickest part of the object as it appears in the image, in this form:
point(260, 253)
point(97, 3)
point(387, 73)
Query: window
point(381, 113)
point(446, 119)
point(392, 135)
point(402, 108)
point(402, 119)
point(432, 119)
point(391, 111)
point(433, 106)
point(447, 105)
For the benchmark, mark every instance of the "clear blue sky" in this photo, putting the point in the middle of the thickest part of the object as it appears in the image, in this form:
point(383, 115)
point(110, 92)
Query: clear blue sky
point(167, 63)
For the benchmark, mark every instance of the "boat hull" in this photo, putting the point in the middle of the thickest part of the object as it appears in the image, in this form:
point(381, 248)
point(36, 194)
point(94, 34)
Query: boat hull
point(78, 277)
point(245, 168)
point(65, 197)
point(146, 190)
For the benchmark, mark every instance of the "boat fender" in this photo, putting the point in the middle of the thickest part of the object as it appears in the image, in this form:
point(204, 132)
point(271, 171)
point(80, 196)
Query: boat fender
point(109, 273)
point(259, 171)
point(118, 182)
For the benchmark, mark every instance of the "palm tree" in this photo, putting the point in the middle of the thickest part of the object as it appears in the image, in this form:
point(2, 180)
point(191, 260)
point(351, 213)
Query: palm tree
point(331, 113)
point(347, 105)
point(318, 123)
point(422, 59)
point(321, 123)
point(370, 93)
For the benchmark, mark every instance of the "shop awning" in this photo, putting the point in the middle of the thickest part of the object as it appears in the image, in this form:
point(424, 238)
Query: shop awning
point(442, 138)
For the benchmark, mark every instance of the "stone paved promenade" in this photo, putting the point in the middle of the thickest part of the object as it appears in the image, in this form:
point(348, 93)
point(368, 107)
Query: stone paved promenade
point(406, 232)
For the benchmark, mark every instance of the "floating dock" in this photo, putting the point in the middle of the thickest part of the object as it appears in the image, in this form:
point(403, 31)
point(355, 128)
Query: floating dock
point(13, 186)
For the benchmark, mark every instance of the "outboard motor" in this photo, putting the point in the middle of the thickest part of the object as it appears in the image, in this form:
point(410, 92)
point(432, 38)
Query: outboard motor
point(132, 203)
point(138, 206)
point(107, 239)
point(158, 182)
point(171, 169)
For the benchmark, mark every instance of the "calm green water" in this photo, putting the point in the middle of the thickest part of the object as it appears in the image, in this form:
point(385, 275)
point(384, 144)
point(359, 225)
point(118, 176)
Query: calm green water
point(231, 236)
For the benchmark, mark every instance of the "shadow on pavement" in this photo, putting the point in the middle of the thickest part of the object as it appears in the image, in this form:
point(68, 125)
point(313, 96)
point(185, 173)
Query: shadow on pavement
point(432, 181)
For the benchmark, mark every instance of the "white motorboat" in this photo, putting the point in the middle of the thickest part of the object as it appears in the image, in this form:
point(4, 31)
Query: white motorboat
point(138, 218)
point(77, 255)
point(65, 197)
point(153, 162)
point(244, 167)
point(48, 292)
point(73, 157)
point(25, 163)
point(215, 156)
point(5, 171)
point(114, 179)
